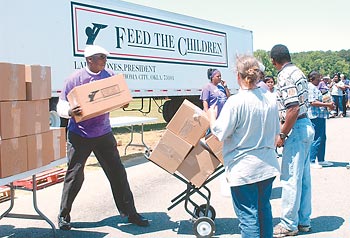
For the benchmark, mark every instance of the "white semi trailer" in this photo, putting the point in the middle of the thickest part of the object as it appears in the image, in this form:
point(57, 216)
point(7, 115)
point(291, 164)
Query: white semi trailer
point(161, 54)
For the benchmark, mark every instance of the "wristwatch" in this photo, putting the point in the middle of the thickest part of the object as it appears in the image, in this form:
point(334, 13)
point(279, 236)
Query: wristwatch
point(283, 136)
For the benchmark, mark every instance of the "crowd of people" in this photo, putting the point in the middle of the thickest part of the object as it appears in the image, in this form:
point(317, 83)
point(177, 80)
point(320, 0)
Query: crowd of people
point(265, 114)
point(290, 113)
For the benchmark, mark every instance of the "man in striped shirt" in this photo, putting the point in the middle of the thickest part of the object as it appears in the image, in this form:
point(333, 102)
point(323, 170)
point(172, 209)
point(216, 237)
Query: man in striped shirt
point(296, 136)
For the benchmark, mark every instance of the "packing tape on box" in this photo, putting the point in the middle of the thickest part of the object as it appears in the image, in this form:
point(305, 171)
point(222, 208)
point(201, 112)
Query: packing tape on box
point(187, 128)
point(14, 143)
point(56, 145)
point(37, 127)
point(14, 78)
point(39, 147)
point(16, 118)
point(43, 73)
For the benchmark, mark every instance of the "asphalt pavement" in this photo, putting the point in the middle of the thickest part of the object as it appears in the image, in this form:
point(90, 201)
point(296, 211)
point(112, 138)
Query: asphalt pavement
point(94, 214)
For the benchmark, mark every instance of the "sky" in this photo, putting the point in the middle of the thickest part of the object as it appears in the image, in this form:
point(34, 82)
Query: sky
point(301, 25)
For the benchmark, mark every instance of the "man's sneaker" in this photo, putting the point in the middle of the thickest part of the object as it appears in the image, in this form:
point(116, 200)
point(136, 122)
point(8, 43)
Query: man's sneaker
point(64, 223)
point(137, 219)
point(303, 228)
point(325, 163)
point(280, 231)
point(316, 166)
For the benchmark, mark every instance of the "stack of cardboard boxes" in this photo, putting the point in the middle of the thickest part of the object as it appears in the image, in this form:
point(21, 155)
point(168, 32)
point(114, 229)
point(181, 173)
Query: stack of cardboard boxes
point(26, 139)
point(180, 149)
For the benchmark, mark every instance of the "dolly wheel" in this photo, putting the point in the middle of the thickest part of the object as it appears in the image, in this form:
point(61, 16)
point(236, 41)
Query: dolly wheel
point(204, 227)
point(199, 211)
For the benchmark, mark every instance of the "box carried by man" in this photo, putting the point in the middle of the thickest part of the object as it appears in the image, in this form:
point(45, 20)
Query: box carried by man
point(100, 96)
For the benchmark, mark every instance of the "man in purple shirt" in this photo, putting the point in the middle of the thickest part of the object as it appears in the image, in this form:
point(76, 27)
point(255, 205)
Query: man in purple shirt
point(92, 135)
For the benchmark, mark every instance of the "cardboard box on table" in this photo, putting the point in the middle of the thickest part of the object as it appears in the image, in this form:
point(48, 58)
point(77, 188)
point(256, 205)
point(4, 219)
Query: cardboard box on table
point(43, 148)
point(170, 151)
point(13, 119)
point(40, 149)
point(13, 85)
point(21, 118)
point(189, 123)
point(198, 165)
point(38, 82)
point(100, 96)
point(37, 116)
point(59, 142)
point(13, 156)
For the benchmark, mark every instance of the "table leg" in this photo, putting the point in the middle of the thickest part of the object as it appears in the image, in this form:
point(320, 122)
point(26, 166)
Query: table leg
point(12, 199)
point(131, 138)
point(35, 204)
point(143, 142)
point(131, 128)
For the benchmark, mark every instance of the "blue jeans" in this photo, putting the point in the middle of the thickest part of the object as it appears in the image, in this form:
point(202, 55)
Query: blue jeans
point(295, 176)
point(253, 209)
point(318, 146)
point(338, 101)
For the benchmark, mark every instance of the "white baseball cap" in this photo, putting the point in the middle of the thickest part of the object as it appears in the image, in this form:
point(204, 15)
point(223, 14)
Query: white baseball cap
point(261, 67)
point(94, 49)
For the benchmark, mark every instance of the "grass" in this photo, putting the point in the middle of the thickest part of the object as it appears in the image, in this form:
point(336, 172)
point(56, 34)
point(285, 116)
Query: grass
point(139, 107)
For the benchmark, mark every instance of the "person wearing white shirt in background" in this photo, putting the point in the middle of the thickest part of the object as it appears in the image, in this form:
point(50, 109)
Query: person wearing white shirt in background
point(318, 115)
point(337, 87)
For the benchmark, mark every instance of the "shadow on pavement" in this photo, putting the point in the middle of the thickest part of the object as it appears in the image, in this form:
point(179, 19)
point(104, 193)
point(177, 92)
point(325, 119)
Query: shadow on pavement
point(321, 224)
point(128, 161)
point(326, 223)
point(33, 232)
point(158, 221)
point(337, 164)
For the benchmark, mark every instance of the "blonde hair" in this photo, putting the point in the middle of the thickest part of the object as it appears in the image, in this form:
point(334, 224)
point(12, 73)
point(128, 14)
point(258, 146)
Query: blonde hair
point(247, 67)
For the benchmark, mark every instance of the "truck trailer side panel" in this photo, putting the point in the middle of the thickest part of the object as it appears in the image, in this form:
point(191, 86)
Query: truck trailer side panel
point(160, 53)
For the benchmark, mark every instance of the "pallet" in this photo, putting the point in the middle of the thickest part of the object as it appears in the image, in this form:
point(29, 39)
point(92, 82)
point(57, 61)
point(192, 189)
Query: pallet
point(5, 193)
point(43, 180)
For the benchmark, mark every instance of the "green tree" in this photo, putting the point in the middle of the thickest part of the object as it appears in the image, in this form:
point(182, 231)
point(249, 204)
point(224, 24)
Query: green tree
point(326, 62)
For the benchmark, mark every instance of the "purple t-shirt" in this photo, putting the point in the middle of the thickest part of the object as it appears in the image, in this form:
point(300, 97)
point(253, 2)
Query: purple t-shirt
point(322, 86)
point(214, 95)
point(262, 84)
point(94, 127)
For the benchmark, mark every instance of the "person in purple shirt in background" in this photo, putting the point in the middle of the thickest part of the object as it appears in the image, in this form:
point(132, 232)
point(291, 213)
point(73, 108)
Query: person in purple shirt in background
point(323, 85)
point(92, 135)
point(215, 92)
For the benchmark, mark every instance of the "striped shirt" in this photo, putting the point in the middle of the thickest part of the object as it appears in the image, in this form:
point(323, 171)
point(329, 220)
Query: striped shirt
point(316, 95)
point(292, 90)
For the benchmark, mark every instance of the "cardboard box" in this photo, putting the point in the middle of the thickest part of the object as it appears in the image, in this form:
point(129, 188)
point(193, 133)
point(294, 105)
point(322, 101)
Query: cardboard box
point(37, 117)
point(21, 118)
point(189, 122)
point(13, 156)
point(198, 165)
point(40, 150)
point(38, 82)
point(100, 96)
point(12, 119)
point(215, 146)
point(13, 84)
point(59, 142)
point(170, 151)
